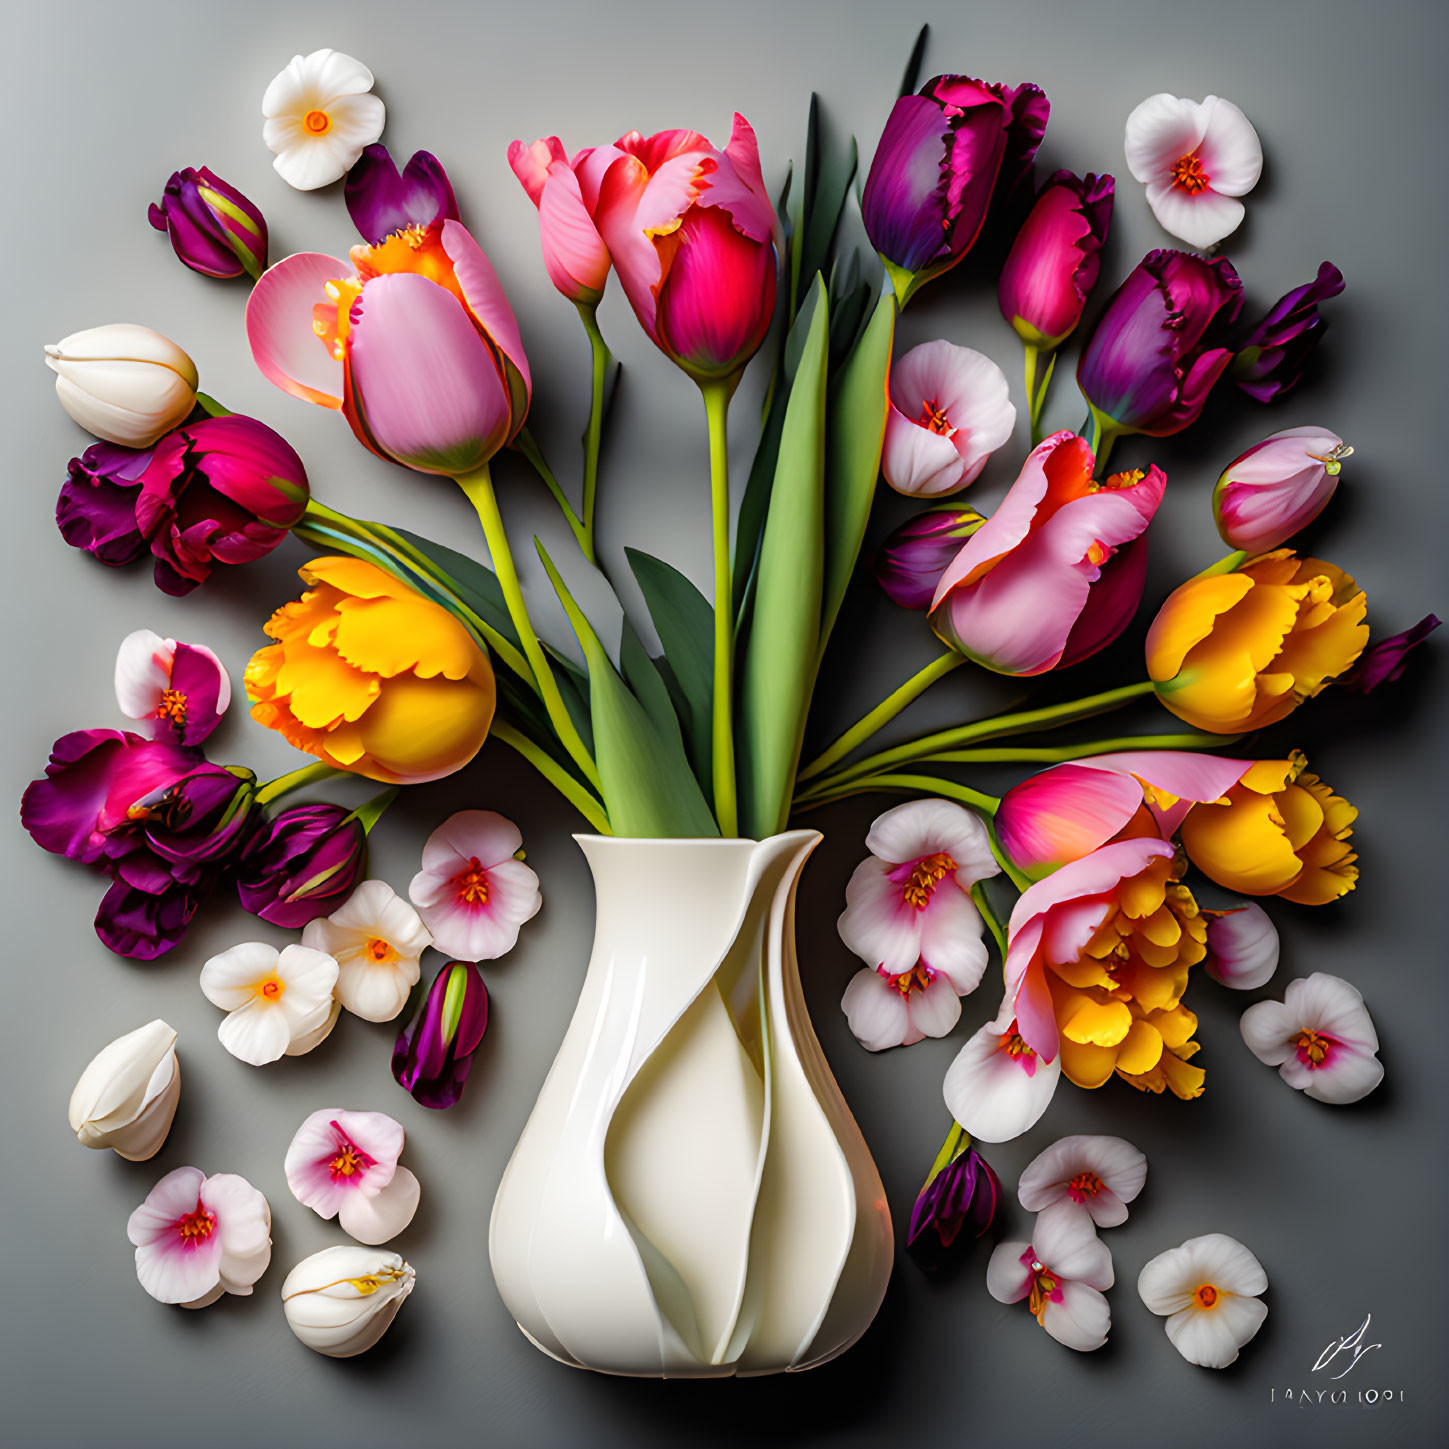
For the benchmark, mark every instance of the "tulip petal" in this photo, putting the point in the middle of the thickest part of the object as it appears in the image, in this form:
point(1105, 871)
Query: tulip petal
point(917, 462)
point(279, 327)
point(876, 1012)
point(994, 1095)
point(489, 303)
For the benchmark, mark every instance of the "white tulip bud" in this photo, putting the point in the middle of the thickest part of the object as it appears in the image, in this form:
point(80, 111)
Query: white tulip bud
point(341, 1300)
point(127, 1097)
point(123, 382)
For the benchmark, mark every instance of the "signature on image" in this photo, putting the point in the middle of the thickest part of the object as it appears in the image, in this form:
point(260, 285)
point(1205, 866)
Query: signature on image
point(1354, 1344)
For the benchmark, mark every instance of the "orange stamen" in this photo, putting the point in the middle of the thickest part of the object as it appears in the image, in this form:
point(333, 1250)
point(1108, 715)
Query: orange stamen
point(1084, 1185)
point(345, 1163)
point(929, 871)
point(933, 419)
point(1188, 173)
point(172, 706)
point(1205, 1295)
point(271, 988)
point(1312, 1047)
point(377, 949)
point(918, 978)
point(317, 122)
point(196, 1225)
point(472, 884)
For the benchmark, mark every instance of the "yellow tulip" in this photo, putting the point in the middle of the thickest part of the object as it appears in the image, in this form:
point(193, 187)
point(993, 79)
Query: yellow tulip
point(1235, 651)
point(1279, 832)
point(370, 676)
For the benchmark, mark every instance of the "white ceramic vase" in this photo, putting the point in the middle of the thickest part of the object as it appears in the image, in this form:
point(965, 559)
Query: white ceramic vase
point(691, 1197)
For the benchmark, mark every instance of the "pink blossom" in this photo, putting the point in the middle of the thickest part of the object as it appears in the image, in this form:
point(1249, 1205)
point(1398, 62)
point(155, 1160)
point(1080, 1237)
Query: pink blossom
point(345, 1165)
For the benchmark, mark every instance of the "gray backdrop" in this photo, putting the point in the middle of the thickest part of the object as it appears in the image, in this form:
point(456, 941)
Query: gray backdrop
point(1345, 1206)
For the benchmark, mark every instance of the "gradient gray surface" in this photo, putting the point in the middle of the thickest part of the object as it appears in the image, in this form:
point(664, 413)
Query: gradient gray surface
point(1345, 1206)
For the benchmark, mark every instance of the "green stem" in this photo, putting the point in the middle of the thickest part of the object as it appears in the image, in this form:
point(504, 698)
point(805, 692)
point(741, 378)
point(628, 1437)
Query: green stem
point(593, 438)
point(210, 406)
point(527, 444)
point(716, 409)
point(883, 713)
point(1227, 565)
point(909, 785)
point(581, 799)
point(1104, 435)
point(983, 904)
point(479, 488)
point(955, 1144)
point(285, 784)
point(1027, 755)
point(371, 811)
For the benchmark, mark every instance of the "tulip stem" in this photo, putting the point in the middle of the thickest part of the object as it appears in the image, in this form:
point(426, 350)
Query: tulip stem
point(593, 437)
point(371, 811)
point(957, 1141)
point(527, 444)
point(479, 488)
point(988, 914)
point(883, 713)
point(1025, 755)
point(581, 799)
point(295, 780)
point(716, 409)
point(1036, 391)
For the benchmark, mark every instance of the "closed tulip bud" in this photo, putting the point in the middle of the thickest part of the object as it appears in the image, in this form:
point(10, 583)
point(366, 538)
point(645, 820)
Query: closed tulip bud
point(1272, 359)
point(126, 1098)
point(911, 561)
point(1277, 488)
point(962, 1192)
point(340, 1301)
point(212, 227)
point(123, 382)
point(302, 864)
point(434, 1053)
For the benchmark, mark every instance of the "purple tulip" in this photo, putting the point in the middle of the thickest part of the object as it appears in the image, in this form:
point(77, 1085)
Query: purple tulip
point(963, 1193)
point(1387, 660)
point(302, 864)
point(96, 510)
point(381, 201)
point(1271, 361)
point(434, 1053)
point(143, 924)
point(213, 228)
point(911, 561)
point(941, 156)
point(1155, 353)
point(219, 491)
point(204, 815)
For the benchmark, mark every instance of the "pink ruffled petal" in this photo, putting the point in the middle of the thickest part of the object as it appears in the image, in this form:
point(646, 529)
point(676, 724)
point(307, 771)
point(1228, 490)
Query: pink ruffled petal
point(574, 254)
point(279, 327)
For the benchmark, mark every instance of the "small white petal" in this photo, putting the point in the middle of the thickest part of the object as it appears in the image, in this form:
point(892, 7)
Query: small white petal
point(1231, 153)
point(319, 1029)
point(1212, 1337)
point(934, 1011)
point(876, 1011)
point(381, 1217)
point(229, 980)
point(1008, 1279)
point(1201, 219)
point(951, 936)
point(1167, 1283)
point(878, 924)
point(1081, 1320)
point(1242, 947)
point(256, 1033)
point(1269, 1029)
point(1064, 1238)
point(1120, 1167)
point(1160, 130)
point(991, 1093)
point(143, 673)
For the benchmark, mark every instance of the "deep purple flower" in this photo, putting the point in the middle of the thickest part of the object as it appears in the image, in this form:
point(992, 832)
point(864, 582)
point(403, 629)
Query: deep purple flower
point(434, 1053)
point(96, 509)
point(203, 815)
point(941, 156)
point(219, 491)
point(964, 1193)
point(1156, 351)
point(302, 864)
point(1385, 661)
point(1271, 361)
point(144, 924)
point(381, 202)
point(213, 228)
point(911, 561)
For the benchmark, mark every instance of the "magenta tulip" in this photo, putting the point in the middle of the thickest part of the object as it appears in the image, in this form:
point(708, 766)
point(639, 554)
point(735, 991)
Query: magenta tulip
point(911, 561)
point(1277, 488)
point(212, 227)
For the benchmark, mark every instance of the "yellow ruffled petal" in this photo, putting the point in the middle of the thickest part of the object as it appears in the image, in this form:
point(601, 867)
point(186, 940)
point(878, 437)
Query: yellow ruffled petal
point(1241, 845)
point(423, 729)
point(1141, 1050)
point(1188, 615)
point(398, 636)
point(1175, 1027)
point(1100, 1023)
point(321, 689)
point(1154, 988)
point(1085, 1065)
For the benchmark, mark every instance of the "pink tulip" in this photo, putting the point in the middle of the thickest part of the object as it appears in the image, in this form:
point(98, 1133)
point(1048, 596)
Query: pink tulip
point(412, 339)
point(566, 193)
point(1277, 488)
point(691, 230)
point(1056, 573)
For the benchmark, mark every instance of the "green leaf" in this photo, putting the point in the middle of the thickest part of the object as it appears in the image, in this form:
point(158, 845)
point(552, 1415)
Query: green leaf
point(646, 783)
point(856, 432)
point(477, 584)
point(784, 644)
point(828, 174)
point(911, 79)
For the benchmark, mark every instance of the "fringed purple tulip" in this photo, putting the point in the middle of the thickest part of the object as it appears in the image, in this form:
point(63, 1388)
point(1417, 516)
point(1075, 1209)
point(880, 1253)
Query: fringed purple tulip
point(96, 510)
point(963, 1192)
point(941, 156)
point(302, 864)
point(1271, 361)
point(434, 1053)
point(1277, 488)
point(219, 491)
point(213, 228)
point(381, 200)
point(1155, 353)
point(1055, 259)
point(1385, 661)
point(911, 561)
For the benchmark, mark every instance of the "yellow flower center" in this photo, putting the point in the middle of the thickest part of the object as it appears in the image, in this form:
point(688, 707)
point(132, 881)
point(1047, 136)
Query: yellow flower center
point(928, 872)
point(1013, 1045)
point(172, 706)
point(472, 884)
point(933, 419)
point(346, 1162)
point(1187, 172)
point(195, 1226)
point(1043, 1285)
point(317, 122)
point(1205, 1295)
point(918, 978)
point(271, 987)
point(1312, 1047)
point(379, 950)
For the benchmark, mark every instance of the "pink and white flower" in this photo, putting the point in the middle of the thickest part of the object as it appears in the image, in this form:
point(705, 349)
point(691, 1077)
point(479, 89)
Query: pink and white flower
point(472, 893)
point(1208, 1291)
point(377, 940)
point(1242, 946)
point(178, 688)
point(1320, 1037)
point(888, 1011)
point(1196, 158)
point(1096, 1176)
point(345, 1165)
point(998, 1086)
point(1061, 1273)
point(198, 1237)
point(278, 1003)
point(1277, 488)
point(950, 409)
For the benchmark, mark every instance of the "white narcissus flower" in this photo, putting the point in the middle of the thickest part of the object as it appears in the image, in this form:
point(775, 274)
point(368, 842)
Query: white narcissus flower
point(345, 1165)
point(1096, 1176)
point(198, 1237)
point(341, 1300)
point(123, 382)
point(126, 1098)
point(1195, 159)
point(1242, 946)
point(1320, 1037)
point(950, 409)
point(998, 1087)
point(320, 115)
point(377, 939)
point(278, 1003)
point(1061, 1273)
point(1208, 1291)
